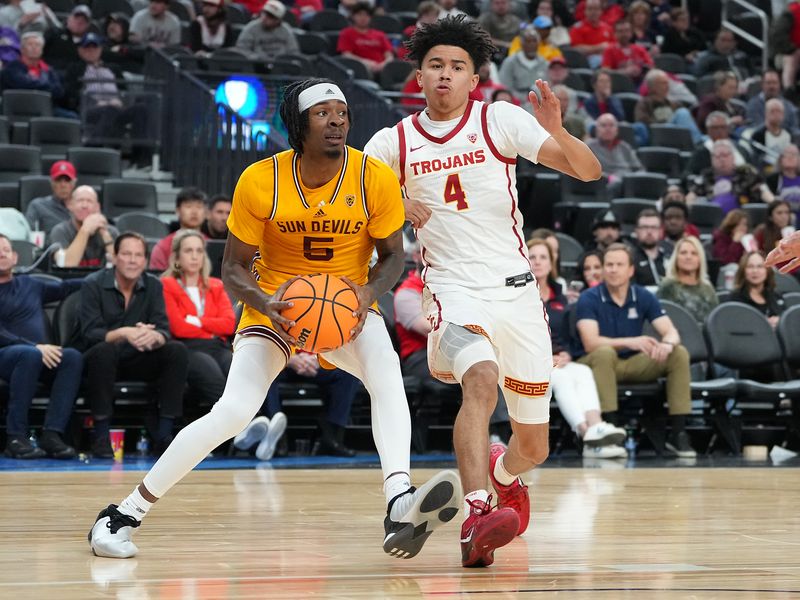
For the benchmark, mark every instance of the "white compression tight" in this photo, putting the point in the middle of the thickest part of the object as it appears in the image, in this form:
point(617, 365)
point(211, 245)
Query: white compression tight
point(256, 363)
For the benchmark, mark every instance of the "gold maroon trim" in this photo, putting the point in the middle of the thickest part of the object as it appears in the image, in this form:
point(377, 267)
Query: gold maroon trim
point(526, 388)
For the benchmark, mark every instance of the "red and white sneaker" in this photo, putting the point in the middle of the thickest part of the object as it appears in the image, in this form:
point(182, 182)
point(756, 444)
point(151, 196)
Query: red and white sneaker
point(513, 496)
point(485, 530)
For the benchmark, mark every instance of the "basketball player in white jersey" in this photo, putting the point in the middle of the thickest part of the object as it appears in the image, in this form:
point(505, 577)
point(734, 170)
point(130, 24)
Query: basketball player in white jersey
point(456, 165)
point(787, 249)
point(318, 170)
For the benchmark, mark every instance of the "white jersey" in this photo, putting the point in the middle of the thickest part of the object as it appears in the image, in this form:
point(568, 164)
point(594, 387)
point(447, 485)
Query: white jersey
point(464, 171)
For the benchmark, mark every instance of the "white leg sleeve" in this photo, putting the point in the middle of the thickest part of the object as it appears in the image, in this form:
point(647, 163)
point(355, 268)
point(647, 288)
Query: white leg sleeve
point(256, 363)
point(575, 392)
point(372, 359)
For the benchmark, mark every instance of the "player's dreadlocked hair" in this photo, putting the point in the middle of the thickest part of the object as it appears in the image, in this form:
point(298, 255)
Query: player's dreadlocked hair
point(452, 31)
point(296, 122)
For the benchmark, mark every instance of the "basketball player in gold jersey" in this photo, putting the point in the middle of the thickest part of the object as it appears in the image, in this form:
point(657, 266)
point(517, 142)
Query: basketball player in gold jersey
point(321, 207)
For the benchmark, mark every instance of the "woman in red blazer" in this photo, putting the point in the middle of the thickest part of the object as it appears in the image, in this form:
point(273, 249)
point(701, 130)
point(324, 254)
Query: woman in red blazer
point(200, 314)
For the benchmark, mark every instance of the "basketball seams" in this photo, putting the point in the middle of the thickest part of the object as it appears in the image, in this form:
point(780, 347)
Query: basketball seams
point(334, 304)
point(321, 310)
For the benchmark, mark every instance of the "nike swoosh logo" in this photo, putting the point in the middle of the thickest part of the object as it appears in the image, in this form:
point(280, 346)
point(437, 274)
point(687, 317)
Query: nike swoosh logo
point(417, 148)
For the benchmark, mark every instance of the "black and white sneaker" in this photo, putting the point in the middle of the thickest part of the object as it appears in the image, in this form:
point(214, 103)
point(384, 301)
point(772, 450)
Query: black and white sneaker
point(111, 534)
point(678, 445)
point(423, 509)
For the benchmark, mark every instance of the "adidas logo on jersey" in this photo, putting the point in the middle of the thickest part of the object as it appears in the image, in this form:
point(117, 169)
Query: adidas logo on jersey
point(320, 213)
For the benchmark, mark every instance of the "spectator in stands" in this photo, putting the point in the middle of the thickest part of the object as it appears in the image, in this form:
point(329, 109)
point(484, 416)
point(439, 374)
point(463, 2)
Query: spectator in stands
point(682, 38)
point(86, 237)
point(625, 56)
point(487, 86)
point(61, 45)
point(611, 317)
point(190, 206)
point(650, 254)
point(754, 284)
point(9, 45)
point(503, 95)
point(559, 34)
point(726, 86)
point(200, 315)
point(686, 282)
point(616, 156)
point(210, 31)
point(778, 226)
point(304, 10)
point(361, 42)
point(427, 12)
point(718, 127)
point(602, 101)
point(557, 71)
point(254, 6)
point(573, 384)
point(501, 23)
point(590, 269)
point(610, 12)
point(543, 26)
point(643, 30)
point(656, 107)
point(722, 56)
point(266, 37)
point(785, 182)
point(519, 71)
point(591, 36)
point(46, 212)
point(155, 26)
point(605, 231)
point(726, 184)
point(572, 119)
point(770, 139)
point(785, 41)
point(771, 88)
point(675, 216)
point(448, 8)
point(550, 238)
point(30, 72)
point(732, 238)
point(215, 227)
point(125, 330)
point(34, 16)
point(26, 358)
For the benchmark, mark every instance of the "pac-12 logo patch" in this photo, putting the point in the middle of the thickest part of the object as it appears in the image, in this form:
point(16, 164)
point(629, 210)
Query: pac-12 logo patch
point(472, 137)
point(350, 199)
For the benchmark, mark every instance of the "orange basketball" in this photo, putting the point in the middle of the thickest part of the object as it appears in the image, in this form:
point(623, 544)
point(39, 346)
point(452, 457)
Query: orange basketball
point(322, 312)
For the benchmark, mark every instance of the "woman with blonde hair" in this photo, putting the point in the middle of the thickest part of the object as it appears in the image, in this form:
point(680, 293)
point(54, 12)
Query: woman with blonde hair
point(686, 282)
point(573, 384)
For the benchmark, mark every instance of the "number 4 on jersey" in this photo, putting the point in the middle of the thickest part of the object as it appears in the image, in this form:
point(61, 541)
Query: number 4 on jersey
point(453, 192)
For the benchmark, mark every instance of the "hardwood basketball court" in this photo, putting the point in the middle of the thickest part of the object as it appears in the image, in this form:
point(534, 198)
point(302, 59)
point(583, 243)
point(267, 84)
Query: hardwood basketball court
point(268, 533)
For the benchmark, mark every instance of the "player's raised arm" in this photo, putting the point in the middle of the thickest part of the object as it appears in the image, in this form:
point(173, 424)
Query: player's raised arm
point(562, 151)
point(787, 249)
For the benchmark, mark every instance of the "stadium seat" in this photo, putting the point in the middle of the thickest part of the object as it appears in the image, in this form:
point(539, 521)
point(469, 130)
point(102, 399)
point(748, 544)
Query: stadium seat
point(215, 250)
point(33, 186)
point(94, 165)
point(17, 161)
point(359, 70)
point(387, 24)
point(5, 131)
point(9, 195)
point(309, 68)
point(575, 190)
point(671, 63)
point(706, 216)
point(393, 6)
point(394, 74)
point(146, 223)
point(26, 252)
point(328, 20)
point(312, 43)
point(788, 328)
point(55, 136)
point(671, 136)
point(660, 159)
point(627, 211)
point(575, 60)
point(236, 14)
point(791, 299)
point(628, 101)
point(101, 9)
point(622, 83)
point(625, 132)
point(786, 284)
point(585, 214)
point(756, 212)
point(180, 11)
point(122, 196)
point(20, 106)
point(230, 60)
point(644, 185)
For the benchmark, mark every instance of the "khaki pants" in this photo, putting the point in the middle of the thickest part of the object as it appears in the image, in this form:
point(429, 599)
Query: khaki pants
point(608, 369)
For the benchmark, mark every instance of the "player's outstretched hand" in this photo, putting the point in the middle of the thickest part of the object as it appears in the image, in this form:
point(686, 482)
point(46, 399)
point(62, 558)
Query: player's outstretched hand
point(273, 308)
point(547, 110)
point(787, 249)
point(365, 299)
point(416, 212)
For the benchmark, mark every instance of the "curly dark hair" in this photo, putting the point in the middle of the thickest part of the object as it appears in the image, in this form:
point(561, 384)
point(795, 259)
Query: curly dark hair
point(296, 122)
point(452, 31)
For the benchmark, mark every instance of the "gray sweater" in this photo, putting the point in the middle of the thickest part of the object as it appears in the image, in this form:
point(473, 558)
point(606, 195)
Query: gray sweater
point(618, 160)
point(518, 74)
point(266, 44)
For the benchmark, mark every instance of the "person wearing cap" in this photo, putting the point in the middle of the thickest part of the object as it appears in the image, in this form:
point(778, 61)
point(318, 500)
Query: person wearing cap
point(363, 43)
point(48, 211)
point(326, 186)
point(557, 71)
point(501, 23)
point(591, 36)
point(268, 36)
point(559, 15)
point(61, 45)
point(605, 231)
point(543, 26)
point(34, 16)
point(209, 31)
point(86, 237)
point(519, 71)
point(156, 26)
point(30, 72)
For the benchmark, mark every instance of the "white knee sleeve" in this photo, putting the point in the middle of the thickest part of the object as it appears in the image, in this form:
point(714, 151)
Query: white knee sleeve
point(458, 349)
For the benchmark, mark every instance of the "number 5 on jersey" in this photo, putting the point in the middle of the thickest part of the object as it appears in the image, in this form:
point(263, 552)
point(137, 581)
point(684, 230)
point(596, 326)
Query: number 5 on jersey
point(453, 192)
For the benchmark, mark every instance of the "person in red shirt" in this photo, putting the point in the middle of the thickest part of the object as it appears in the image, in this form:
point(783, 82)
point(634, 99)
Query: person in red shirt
point(591, 36)
point(427, 12)
point(632, 59)
point(609, 13)
point(190, 206)
point(200, 314)
point(370, 46)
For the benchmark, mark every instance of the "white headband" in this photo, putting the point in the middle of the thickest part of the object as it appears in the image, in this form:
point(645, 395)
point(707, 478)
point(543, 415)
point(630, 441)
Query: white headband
point(322, 92)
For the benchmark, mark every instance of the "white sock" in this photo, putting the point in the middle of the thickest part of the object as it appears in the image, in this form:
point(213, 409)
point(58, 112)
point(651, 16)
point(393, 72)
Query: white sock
point(396, 484)
point(481, 495)
point(502, 476)
point(135, 505)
